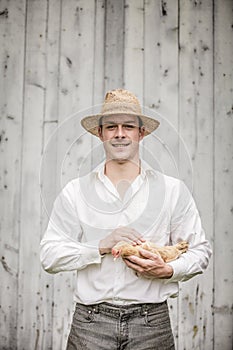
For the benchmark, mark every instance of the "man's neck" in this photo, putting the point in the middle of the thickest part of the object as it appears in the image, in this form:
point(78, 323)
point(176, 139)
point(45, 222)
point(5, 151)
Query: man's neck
point(118, 171)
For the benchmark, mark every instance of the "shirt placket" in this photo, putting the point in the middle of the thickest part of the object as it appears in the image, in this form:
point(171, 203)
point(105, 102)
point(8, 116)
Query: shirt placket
point(119, 279)
point(120, 267)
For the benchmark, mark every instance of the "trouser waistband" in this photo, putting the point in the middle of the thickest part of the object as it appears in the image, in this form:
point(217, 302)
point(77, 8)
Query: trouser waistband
point(117, 310)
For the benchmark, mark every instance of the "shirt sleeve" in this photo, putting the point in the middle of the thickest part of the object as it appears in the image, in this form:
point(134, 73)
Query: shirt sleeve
point(186, 226)
point(60, 248)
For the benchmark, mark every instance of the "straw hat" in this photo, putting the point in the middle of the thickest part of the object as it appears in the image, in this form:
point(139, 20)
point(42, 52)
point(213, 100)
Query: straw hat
point(119, 102)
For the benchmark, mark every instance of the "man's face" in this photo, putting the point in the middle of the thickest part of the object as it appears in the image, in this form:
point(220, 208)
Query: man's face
point(121, 135)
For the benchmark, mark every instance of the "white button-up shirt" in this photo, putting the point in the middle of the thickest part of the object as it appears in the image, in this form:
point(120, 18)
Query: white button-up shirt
point(159, 207)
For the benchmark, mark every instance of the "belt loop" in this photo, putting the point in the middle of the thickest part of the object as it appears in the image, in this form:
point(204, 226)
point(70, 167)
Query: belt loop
point(144, 309)
point(95, 308)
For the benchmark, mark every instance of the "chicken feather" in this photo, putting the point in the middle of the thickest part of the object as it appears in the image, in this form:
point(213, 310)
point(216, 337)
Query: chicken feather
point(167, 253)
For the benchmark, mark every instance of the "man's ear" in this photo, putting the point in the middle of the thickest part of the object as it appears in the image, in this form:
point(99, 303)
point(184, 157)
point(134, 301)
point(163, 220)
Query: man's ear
point(141, 132)
point(100, 133)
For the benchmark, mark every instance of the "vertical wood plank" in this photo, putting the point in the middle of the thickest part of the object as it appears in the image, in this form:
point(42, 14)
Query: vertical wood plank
point(133, 48)
point(76, 83)
point(29, 331)
point(114, 43)
point(46, 301)
point(223, 207)
point(161, 37)
point(161, 82)
point(46, 290)
point(12, 26)
point(48, 165)
point(75, 95)
point(161, 95)
point(99, 53)
point(99, 69)
point(196, 128)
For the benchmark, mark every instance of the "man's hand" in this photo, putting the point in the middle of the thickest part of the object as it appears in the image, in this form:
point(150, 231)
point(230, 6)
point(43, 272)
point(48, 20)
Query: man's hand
point(120, 234)
point(151, 267)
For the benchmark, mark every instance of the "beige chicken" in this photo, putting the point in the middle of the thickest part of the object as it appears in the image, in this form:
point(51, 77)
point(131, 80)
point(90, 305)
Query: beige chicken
point(167, 253)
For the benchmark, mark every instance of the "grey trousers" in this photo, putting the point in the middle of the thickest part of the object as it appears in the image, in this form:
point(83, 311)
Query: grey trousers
point(109, 327)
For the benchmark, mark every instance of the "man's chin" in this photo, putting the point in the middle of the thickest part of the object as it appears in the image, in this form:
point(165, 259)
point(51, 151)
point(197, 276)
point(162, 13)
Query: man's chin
point(120, 160)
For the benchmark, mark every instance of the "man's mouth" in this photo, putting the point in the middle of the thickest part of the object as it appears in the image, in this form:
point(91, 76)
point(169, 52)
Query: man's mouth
point(120, 144)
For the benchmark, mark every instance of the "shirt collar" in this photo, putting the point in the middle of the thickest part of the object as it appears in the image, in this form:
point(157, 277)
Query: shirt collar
point(145, 170)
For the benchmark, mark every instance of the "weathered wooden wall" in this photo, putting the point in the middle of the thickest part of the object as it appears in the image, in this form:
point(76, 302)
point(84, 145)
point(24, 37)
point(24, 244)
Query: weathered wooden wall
point(58, 57)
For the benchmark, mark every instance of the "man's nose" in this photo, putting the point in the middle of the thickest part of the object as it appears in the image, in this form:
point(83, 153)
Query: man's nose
point(120, 132)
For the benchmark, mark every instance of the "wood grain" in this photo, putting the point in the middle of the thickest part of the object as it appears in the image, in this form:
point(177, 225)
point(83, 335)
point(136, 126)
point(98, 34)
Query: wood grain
point(57, 60)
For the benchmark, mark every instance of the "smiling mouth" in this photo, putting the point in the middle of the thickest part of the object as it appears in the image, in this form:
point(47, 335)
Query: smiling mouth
point(120, 145)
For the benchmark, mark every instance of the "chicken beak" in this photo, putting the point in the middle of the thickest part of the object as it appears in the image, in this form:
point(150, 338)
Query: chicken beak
point(115, 253)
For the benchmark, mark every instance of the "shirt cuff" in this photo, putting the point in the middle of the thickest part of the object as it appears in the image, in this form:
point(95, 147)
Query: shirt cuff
point(91, 250)
point(179, 269)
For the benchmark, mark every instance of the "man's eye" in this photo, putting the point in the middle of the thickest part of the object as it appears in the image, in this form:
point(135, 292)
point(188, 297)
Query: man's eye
point(111, 127)
point(129, 126)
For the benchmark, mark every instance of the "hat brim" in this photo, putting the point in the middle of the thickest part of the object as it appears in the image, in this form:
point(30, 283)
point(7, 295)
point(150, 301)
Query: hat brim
point(91, 122)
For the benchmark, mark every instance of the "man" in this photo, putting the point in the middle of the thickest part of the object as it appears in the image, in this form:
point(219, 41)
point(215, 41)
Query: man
point(122, 303)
